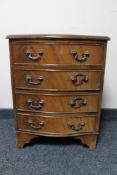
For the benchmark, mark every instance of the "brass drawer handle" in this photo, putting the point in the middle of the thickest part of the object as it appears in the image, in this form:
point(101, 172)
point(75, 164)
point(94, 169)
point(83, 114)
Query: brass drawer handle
point(36, 82)
point(82, 58)
point(32, 125)
point(34, 58)
point(76, 128)
point(77, 102)
point(39, 106)
point(75, 79)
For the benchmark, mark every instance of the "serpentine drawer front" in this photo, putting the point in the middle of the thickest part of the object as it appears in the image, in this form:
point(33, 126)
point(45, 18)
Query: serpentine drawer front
point(58, 80)
point(58, 53)
point(61, 125)
point(57, 83)
point(57, 103)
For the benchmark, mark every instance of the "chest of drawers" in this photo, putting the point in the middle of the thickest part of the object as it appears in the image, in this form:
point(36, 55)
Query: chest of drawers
point(57, 83)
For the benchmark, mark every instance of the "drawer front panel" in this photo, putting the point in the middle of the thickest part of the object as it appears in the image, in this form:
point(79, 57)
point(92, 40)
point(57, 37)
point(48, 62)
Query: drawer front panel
point(57, 103)
point(58, 54)
point(56, 125)
point(61, 80)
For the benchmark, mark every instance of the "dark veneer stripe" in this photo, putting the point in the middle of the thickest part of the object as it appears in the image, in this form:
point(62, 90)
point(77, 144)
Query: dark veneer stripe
point(58, 36)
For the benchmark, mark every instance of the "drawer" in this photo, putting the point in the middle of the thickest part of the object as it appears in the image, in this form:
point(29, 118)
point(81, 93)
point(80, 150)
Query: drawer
point(54, 103)
point(56, 125)
point(78, 54)
point(57, 80)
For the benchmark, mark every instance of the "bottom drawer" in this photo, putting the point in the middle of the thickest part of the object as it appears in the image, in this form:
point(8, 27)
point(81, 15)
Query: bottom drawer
point(56, 125)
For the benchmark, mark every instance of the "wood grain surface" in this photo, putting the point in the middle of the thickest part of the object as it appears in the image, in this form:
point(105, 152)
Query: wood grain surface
point(56, 126)
point(57, 80)
point(67, 100)
point(58, 54)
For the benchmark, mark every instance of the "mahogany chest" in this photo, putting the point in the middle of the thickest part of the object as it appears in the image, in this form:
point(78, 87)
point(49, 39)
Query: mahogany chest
point(57, 83)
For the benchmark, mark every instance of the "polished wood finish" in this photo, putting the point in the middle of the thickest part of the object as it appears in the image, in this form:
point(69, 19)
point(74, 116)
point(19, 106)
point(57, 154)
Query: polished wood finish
point(60, 36)
point(24, 138)
point(56, 125)
point(89, 140)
point(60, 103)
point(58, 79)
point(57, 83)
point(58, 53)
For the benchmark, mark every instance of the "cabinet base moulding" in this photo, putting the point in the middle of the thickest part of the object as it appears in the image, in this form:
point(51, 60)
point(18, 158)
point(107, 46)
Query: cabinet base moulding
point(24, 138)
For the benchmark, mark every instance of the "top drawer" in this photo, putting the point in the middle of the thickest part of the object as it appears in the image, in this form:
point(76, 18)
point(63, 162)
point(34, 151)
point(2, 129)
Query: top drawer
point(62, 54)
